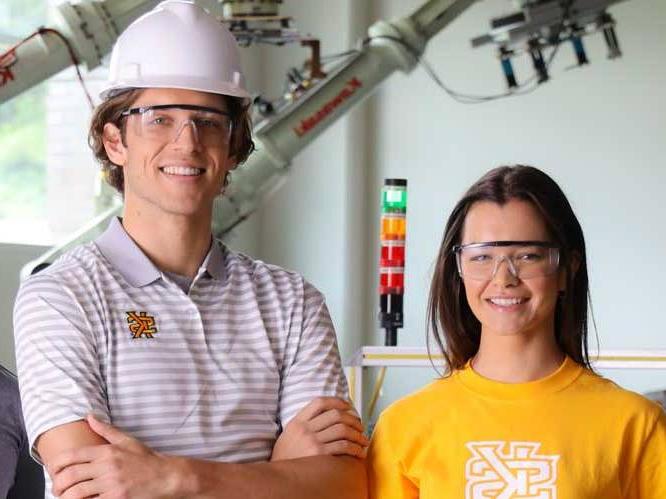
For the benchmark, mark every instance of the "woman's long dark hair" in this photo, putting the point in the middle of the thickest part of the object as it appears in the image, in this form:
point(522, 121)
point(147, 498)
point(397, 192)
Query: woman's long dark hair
point(456, 330)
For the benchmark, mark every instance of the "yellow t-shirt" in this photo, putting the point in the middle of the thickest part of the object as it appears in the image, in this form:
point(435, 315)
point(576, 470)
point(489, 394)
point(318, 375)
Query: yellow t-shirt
point(571, 435)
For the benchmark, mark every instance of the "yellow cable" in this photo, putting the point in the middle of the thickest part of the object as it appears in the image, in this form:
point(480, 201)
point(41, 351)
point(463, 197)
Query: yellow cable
point(375, 392)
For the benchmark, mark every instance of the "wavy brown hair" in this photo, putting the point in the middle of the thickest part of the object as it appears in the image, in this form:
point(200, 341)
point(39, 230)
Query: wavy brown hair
point(454, 327)
point(109, 111)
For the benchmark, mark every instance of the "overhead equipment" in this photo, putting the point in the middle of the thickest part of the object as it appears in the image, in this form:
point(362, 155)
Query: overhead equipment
point(87, 30)
point(547, 24)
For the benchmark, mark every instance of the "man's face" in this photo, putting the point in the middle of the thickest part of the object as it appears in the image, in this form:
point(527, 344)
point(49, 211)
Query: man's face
point(180, 174)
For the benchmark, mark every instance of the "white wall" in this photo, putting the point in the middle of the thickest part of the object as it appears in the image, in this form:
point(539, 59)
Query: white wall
point(12, 258)
point(598, 130)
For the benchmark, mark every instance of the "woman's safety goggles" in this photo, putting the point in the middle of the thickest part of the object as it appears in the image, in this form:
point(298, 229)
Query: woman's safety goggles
point(524, 259)
point(164, 123)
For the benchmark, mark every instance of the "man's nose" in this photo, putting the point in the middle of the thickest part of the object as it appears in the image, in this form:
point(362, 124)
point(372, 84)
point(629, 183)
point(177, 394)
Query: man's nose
point(187, 135)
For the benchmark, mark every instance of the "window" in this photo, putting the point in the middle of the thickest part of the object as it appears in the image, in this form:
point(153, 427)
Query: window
point(22, 135)
point(48, 177)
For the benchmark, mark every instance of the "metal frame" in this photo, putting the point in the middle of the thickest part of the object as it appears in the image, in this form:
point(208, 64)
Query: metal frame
point(379, 356)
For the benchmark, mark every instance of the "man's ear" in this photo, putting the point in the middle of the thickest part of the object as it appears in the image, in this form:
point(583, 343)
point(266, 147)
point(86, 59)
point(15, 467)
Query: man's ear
point(113, 144)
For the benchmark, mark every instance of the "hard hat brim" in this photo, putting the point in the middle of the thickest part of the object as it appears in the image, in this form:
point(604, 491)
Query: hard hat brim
point(180, 82)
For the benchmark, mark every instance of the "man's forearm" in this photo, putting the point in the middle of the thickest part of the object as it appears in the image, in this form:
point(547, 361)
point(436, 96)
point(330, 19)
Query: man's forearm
point(321, 477)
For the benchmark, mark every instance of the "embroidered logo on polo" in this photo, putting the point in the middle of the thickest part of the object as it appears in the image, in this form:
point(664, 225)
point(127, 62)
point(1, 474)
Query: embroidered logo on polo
point(141, 325)
point(505, 470)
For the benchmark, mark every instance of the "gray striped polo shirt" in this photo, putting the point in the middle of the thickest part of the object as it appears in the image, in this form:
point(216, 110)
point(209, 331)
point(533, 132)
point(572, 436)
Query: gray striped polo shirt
point(211, 373)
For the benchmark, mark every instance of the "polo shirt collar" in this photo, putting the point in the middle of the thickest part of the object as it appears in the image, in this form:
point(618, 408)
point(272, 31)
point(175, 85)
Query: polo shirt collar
point(214, 261)
point(137, 269)
point(127, 258)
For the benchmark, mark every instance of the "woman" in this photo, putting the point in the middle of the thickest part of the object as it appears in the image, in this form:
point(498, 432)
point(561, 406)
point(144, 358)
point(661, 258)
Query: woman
point(520, 413)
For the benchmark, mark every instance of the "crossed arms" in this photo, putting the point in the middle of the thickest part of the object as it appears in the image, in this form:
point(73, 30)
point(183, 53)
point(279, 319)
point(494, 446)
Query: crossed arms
point(59, 346)
point(319, 455)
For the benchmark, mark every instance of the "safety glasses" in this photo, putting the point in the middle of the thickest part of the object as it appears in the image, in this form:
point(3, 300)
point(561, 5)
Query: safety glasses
point(524, 259)
point(165, 123)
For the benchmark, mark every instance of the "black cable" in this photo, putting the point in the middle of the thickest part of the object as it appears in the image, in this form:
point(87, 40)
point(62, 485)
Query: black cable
point(328, 58)
point(458, 96)
point(289, 79)
point(524, 88)
point(528, 86)
point(332, 57)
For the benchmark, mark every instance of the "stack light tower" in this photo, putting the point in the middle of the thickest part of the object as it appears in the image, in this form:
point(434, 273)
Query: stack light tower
point(392, 258)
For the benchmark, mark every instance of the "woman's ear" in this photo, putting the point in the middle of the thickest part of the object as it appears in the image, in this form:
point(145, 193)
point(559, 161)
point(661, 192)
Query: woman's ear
point(574, 265)
point(113, 144)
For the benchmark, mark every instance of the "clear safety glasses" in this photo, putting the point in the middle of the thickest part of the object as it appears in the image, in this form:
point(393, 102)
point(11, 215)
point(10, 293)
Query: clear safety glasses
point(524, 259)
point(164, 123)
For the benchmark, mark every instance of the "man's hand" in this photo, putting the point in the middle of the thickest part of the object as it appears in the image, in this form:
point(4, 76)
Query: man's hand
point(326, 426)
point(122, 469)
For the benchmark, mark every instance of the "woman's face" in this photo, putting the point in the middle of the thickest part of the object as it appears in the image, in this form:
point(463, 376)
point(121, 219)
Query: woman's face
point(504, 304)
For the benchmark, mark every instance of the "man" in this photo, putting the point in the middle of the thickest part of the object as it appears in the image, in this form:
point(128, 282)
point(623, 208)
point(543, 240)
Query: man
point(206, 363)
point(20, 476)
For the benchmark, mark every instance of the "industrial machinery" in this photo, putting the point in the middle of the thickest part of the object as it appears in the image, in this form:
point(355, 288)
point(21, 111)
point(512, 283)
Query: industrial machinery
point(86, 31)
point(258, 21)
point(237, 8)
point(543, 23)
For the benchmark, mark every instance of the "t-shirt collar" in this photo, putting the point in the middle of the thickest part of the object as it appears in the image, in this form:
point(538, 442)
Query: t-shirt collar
point(566, 374)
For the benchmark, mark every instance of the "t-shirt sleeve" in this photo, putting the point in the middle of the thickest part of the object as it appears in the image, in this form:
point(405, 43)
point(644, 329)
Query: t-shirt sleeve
point(56, 358)
point(649, 481)
point(386, 477)
point(313, 368)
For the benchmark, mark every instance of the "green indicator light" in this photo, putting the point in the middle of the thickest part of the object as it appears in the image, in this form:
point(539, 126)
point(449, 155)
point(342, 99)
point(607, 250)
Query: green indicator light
point(394, 196)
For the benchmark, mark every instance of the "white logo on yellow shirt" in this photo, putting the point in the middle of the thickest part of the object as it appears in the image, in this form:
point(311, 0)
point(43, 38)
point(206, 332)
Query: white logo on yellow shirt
point(497, 473)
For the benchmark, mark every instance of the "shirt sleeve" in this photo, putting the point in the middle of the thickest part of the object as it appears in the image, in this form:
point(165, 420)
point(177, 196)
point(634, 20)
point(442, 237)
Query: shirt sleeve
point(650, 476)
point(386, 477)
point(313, 368)
point(56, 358)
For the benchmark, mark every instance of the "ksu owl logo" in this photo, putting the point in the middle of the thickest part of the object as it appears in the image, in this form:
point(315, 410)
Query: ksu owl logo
point(503, 470)
point(141, 325)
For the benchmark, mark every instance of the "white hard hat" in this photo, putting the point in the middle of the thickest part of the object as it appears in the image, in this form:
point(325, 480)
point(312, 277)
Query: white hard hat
point(176, 45)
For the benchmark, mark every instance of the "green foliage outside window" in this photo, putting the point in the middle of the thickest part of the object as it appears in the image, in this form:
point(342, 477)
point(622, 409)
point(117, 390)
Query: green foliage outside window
point(22, 123)
point(22, 155)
